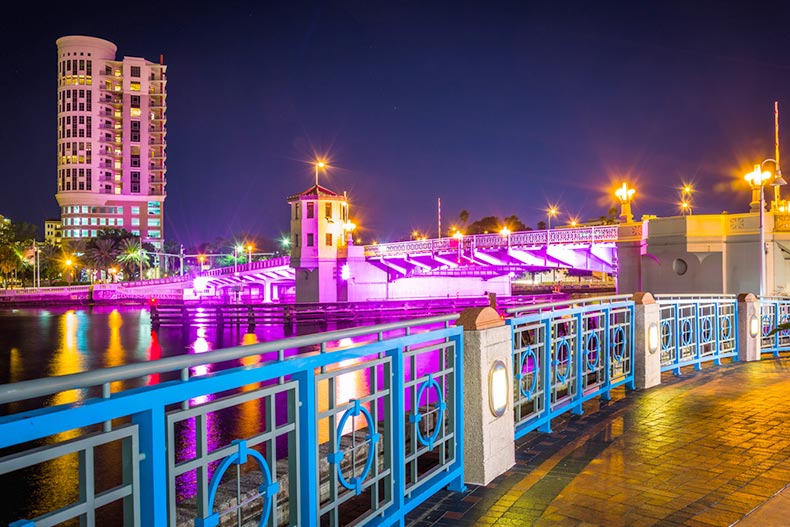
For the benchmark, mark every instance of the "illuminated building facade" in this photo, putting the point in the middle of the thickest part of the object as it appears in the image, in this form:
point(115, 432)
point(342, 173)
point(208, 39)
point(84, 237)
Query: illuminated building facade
point(52, 232)
point(111, 141)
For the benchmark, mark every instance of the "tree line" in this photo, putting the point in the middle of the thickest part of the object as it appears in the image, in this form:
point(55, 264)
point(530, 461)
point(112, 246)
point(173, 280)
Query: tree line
point(112, 253)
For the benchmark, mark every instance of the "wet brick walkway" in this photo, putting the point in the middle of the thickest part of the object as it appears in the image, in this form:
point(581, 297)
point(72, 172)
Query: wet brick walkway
point(704, 449)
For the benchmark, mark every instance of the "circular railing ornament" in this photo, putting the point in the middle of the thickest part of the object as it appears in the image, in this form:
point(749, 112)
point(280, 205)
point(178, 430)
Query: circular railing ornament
point(416, 417)
point(592, 350)
point(618, 343)
point(685, 332)
point(528, 358)
point(666, 335)
point(354, 482)
point(706, 330)
point(563, 349)
point(267, 490)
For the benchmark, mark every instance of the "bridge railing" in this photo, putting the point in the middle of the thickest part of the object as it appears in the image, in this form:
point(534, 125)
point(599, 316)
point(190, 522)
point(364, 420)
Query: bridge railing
point(252, 266)
point(697, 328)
point(317, 453)
point(597, 234)
point(774, 311)
point(567, 353)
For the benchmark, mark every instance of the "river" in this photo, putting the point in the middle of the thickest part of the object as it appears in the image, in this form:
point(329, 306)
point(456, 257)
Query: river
point(37, 343)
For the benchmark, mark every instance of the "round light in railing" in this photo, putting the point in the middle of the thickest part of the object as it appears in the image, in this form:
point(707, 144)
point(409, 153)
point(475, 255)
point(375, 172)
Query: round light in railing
point(652, 337)
point(498, 388)
point(754, 326)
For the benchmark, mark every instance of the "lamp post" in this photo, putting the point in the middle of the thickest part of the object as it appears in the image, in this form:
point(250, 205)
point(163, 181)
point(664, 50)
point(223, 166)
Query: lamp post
point(506, 233)
point(249, 254)
point(68, 266)
point(236, 251)
point(757, 179)
point(625, 195)
point(458, 235)
point(140, 259)
point(685, 199)
point(552, 211)
point(318, 164)
point(349, 228)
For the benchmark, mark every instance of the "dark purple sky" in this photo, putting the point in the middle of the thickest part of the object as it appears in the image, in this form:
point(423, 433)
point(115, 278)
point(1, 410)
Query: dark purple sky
point(498, 108)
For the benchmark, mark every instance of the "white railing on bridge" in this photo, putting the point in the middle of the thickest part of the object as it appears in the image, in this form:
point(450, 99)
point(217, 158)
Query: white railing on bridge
point(253, 266)
point(583, 235)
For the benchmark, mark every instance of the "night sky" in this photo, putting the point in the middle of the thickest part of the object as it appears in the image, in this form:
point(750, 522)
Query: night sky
point(498, 108)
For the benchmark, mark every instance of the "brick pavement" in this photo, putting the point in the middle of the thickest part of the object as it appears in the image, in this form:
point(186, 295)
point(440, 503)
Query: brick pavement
point(708, 448)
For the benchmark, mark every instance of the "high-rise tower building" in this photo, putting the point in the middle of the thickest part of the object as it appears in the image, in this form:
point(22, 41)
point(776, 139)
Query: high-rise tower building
point(111, 141)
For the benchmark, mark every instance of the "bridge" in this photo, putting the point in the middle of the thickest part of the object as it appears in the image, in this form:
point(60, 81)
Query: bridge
point(482, 255)
point(582, 248)
point(438, 404)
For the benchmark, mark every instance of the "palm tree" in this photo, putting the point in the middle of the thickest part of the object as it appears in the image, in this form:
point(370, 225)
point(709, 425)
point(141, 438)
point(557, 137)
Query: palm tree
point(464, 217)
point(9, 262)
point(131, 255)
point(50, 257)
point(101, 253)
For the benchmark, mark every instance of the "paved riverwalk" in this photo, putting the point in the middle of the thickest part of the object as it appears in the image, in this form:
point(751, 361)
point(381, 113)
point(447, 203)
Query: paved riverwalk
point(708, 448)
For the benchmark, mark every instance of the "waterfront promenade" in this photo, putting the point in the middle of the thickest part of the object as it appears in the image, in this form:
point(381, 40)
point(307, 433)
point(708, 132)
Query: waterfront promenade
point(708, 448)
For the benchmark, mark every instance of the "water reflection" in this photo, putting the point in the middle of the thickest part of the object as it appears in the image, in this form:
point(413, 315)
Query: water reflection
point(42, 343)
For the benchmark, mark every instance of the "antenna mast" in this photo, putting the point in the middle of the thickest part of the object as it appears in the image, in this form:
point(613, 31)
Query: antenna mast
point(439, 204)
point(777, 196)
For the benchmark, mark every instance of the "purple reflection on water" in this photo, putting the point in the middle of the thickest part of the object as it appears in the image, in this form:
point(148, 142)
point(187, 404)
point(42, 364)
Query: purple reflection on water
point(37, 343)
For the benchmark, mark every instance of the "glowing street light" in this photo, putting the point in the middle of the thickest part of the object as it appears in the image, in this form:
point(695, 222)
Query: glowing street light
point(349, 228)
point(685, 199)
point(458, 235)
point(757, 179)
point(249, 253)
point(68, 263)
point(506, 233)
point(318, 164)
point(552, 211)
point(625, 195)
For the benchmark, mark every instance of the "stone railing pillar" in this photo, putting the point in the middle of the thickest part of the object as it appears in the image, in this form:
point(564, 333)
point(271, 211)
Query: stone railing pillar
point(489, 445)
point(647, 325)
point(750, 327)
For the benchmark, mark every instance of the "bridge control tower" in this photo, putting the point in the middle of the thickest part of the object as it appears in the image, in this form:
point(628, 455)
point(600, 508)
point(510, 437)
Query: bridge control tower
point(318, 244)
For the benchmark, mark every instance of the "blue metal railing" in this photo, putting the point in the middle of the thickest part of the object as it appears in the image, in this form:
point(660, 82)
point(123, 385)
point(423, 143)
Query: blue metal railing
point(774, 311)
point(565, 354)
point(308, 450)
point(694, 329)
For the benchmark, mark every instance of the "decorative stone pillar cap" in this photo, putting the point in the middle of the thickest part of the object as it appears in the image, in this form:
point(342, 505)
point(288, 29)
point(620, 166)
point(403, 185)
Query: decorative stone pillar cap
point(477, 318)
point(747, 297)
point(643, 298)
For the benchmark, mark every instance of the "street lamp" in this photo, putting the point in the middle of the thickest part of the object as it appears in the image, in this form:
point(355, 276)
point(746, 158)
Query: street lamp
point(249, 253)
point(757, 179)
point(685, 199)
point(625, 195)
point(68, 266)
point(349, 228)
point(458, 235)
point(318, 164)
point(552, 211)
point(506, 233)
point(140, 254)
